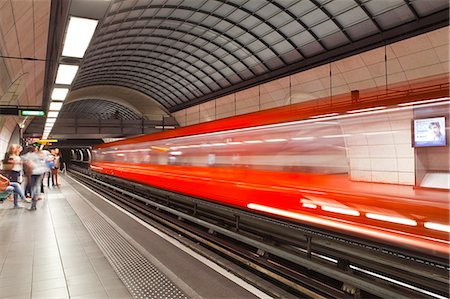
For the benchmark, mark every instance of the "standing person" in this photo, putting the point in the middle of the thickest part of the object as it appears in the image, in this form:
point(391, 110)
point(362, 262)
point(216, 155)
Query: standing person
point(57, 163)
point(36, 163)
point(50, 162)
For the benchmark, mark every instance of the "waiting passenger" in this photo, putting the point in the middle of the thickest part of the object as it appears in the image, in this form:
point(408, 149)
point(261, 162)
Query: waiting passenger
point(7, 187)
point(36, 164)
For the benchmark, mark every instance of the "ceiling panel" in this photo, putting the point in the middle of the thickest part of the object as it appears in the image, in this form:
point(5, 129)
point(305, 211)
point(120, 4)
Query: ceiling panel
point(211, 48)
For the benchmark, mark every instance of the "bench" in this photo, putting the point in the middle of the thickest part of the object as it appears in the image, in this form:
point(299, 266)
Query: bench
point(4, 195)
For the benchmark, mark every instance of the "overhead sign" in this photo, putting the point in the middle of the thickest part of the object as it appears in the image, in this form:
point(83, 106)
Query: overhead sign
point(32, 113)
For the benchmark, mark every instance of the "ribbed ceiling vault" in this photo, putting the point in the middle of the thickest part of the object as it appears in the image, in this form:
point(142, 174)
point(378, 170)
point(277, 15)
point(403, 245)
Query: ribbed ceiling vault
point(181, 53)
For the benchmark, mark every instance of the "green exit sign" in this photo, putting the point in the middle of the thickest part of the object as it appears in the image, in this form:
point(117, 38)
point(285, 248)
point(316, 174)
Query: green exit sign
point(32, 113)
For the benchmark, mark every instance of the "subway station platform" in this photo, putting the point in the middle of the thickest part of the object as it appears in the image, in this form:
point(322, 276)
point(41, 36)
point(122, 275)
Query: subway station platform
point(78, 245)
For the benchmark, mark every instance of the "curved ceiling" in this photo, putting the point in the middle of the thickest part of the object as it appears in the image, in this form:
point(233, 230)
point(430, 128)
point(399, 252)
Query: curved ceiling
point(181, 53)
point(98, 109)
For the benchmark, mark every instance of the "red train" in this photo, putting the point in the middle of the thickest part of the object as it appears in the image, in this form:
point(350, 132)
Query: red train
point(292, 163)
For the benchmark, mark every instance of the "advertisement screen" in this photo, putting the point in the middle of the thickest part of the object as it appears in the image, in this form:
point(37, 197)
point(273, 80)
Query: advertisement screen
point(429, 132)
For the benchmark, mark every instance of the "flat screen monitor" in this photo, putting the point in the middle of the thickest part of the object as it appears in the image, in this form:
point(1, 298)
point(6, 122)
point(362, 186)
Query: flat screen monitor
point(429, 132)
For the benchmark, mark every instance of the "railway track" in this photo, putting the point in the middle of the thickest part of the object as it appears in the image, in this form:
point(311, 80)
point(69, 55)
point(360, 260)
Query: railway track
point(302, 260)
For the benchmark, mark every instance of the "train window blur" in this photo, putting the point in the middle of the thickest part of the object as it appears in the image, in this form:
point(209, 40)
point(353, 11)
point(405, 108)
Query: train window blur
point(283, 148)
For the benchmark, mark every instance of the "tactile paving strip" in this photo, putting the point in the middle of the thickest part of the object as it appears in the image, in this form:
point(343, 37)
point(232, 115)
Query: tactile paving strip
point(141, 277)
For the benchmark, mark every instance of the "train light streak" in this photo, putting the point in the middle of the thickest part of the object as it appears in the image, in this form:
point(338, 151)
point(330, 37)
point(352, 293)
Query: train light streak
point(367, 109)
point(275, 140)
point(437, 226)
point(340, 210)
point(324, 115)
point(398, 220)
point(423, 102)
point(253, 141)
point(309, 206)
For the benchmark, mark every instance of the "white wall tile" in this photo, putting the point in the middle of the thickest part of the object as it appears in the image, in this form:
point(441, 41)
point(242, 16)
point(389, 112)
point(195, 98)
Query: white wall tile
point(404, 150)
point(358, 151)
point(406, 165)
point(384, 164)
point(355, 139)
point(439, 37)
point(360, 164)
point(412, 45)
point(249, 109)
point(357, 75)
point(402, 137)
point(406, 178)
point(383, 151)
point(418, 60)
point(353, 62)
point(385, 177)
point(380, 139)
point(361, 175)
point(430, 70)
point(443, 53)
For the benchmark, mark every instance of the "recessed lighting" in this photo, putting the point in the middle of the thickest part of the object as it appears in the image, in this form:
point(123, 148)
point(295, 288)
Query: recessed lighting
point(53, 114)
point(55, 106)
point(59, 94)
point(66, 74)
point(78, 36)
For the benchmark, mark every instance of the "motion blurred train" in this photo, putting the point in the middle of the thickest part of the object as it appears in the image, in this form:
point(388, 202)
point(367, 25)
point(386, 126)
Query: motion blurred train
point(332, 170)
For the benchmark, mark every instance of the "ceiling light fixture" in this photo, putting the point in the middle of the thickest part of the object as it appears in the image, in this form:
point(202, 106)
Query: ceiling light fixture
point(78, 36)
point(55, 106)
point(59, 94)
point(66, 74)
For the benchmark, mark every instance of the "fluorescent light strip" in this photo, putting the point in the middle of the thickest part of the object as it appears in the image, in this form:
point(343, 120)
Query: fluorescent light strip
point(423, 102)
point(437, 226)
point(324, 115)
point(55, 106)
point(340, 210)
point(59, 94)
point(303, 138)
point(51, 120)
point(176, 153)
point(253, 141)
point(367, 109)
point(379, 133)
point(218, 144)
point(398, 220)
point(66, 74)
point(234, 142)
point(53, 114)
point(78, 36)
point(275, 140)
point(336, 136)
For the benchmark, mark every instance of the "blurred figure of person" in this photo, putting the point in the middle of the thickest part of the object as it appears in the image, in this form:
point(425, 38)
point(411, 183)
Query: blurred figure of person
point(12, 167)
point(50, 162)
point(36, 163)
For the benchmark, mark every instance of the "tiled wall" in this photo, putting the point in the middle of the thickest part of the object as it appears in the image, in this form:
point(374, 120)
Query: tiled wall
point(407, 61)
point(379, 148)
